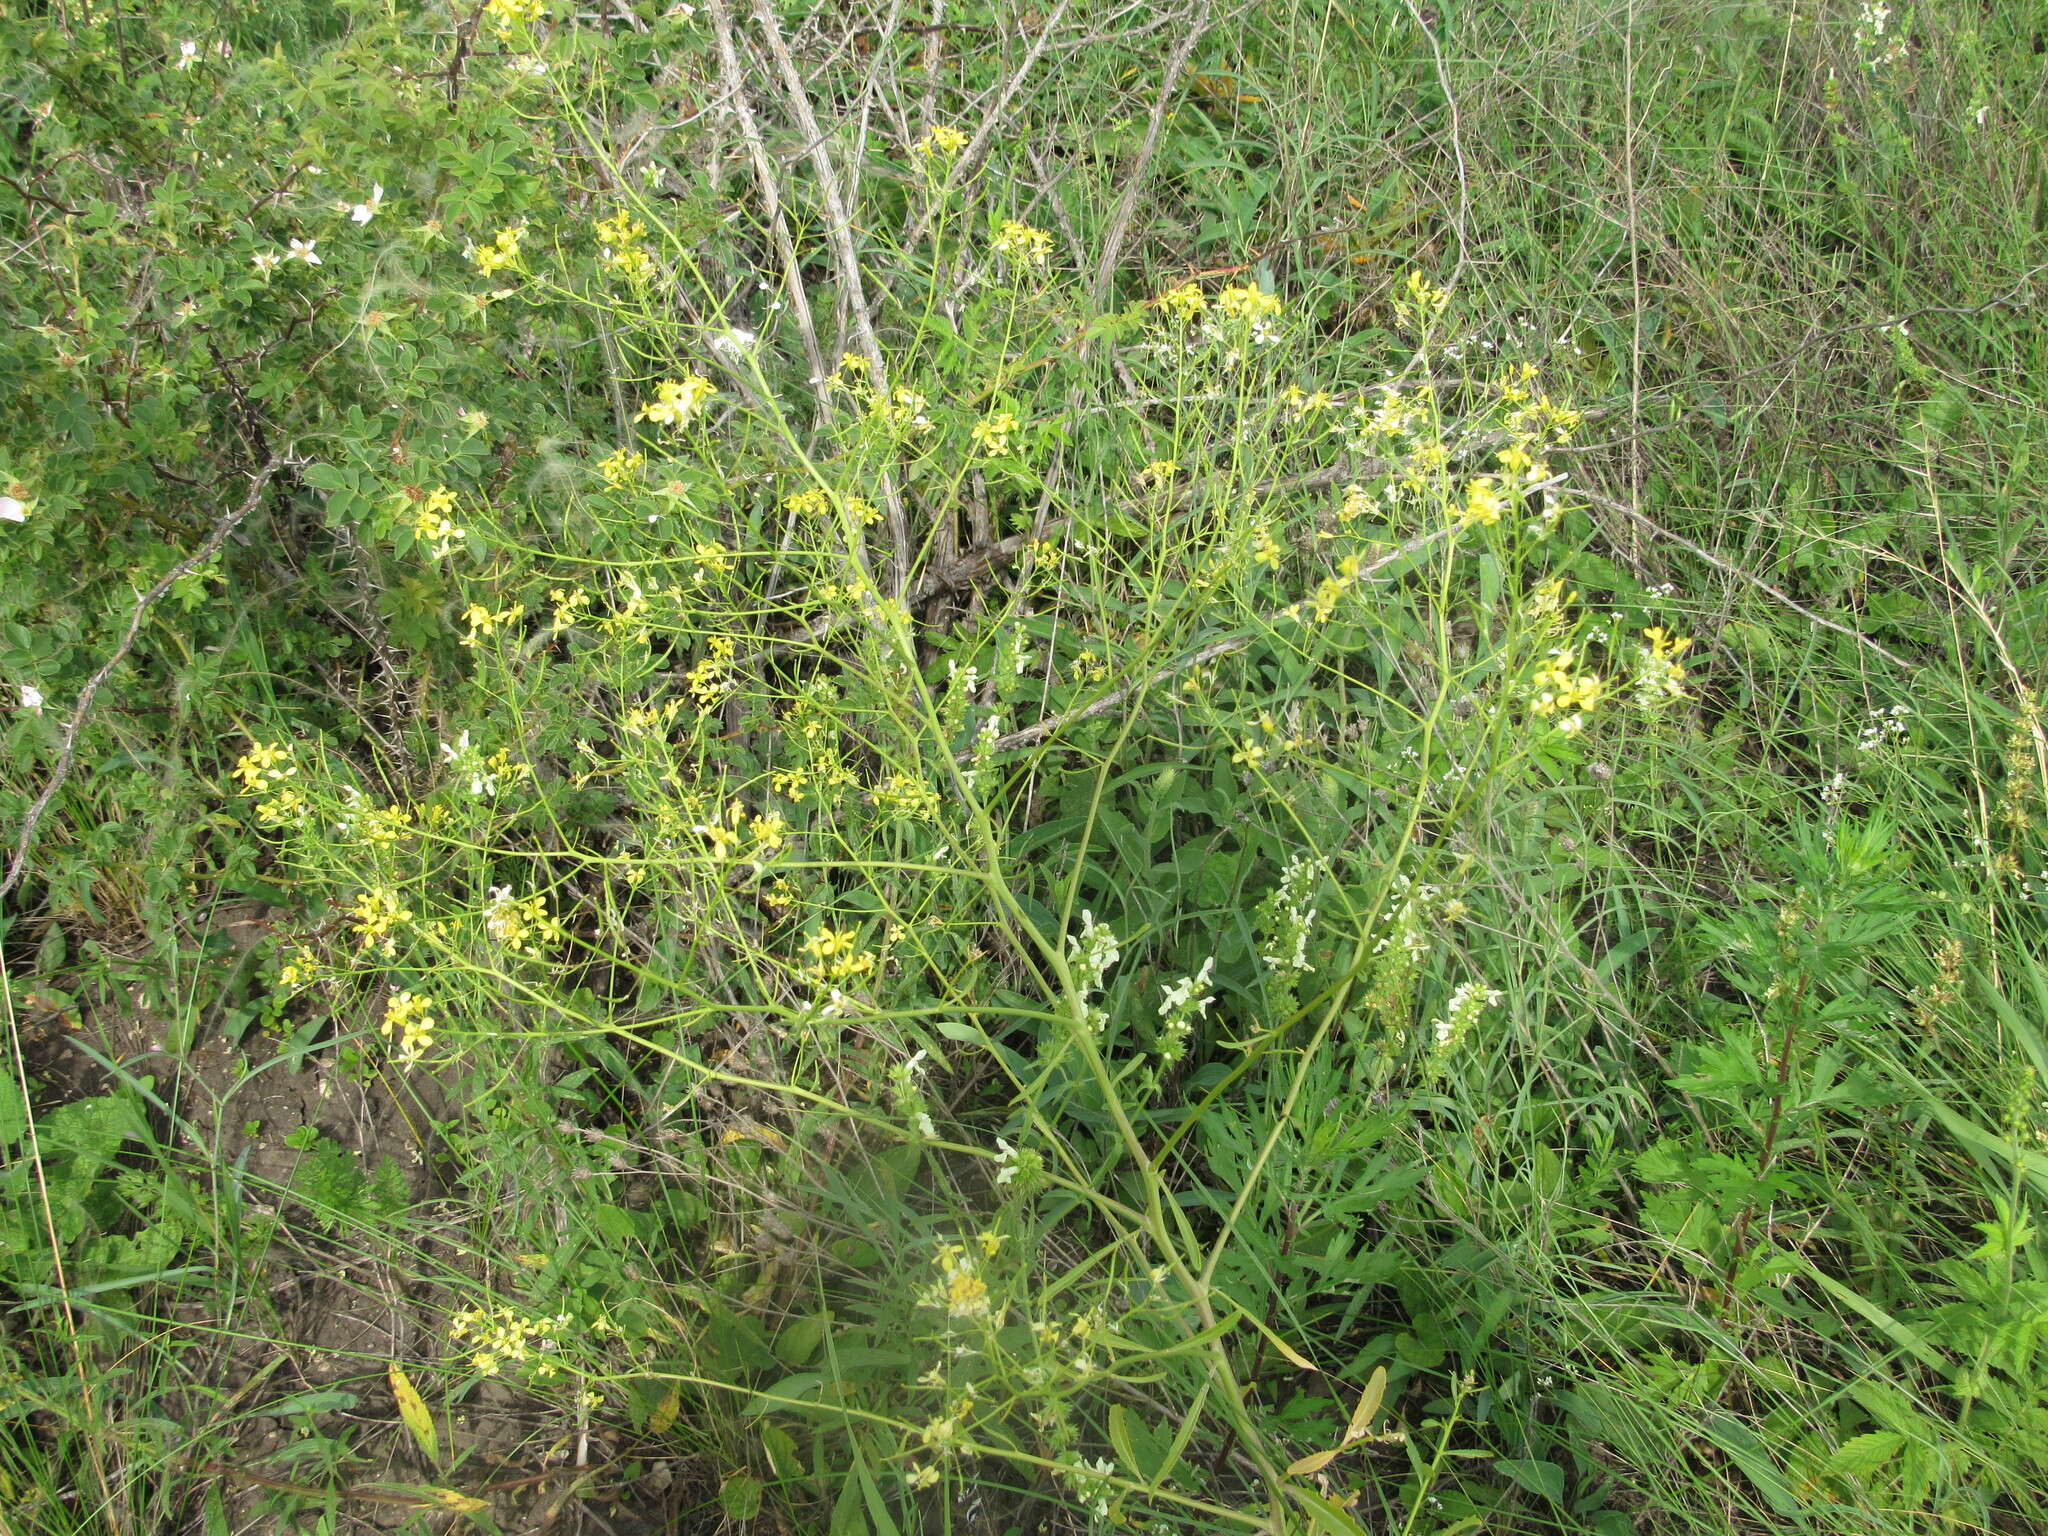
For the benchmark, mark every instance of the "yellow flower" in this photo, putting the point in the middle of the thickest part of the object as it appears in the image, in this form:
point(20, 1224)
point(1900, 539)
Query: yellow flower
point(521, 923)
point(264, 765)
point(502, 252)
point(506, 15)
point(431, 524)
point(1159, 472)
point(904, 410)
point(1023, 243)
point(677, 400)
point(709, 680)
point(993, 432)
point(1419, 302)
point(1559, 691)
point(409, 1024)
point(620, 229)
point(941, 142)
point(1484, 506)
point(1659, 677)
point(1247, 302)
point(377, 914)
point(1183, 303)
point(621, 468)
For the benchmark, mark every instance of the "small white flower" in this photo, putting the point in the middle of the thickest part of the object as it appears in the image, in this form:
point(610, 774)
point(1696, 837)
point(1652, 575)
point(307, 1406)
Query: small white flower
point(1006, 1161)
point(13, 510)
point(733, 343)
point(302, 250)
point(32, 698)
point(188, 55)
point(362, 213)
point(266, 261)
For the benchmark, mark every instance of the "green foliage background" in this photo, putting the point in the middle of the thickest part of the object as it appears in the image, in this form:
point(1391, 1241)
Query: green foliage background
point(1032, 914)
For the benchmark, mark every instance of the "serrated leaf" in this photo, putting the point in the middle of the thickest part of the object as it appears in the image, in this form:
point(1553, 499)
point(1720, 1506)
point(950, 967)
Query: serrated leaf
point(414, 1414)
point(1865, 1454)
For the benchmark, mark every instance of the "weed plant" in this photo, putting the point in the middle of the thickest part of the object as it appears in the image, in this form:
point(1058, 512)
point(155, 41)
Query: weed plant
point(1077, 770)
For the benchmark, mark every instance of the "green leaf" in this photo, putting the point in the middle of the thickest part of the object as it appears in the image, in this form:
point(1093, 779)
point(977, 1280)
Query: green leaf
point(1543, 1478)
point(1865, 1455)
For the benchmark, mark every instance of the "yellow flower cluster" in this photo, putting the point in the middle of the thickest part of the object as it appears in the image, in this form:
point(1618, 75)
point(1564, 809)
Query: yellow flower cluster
point(993, 432)
point(835, 955)
point(374, 826)
point(908, 796)
point(711, 679)
point(301, 970)
point(903, 410)
point(1322, 603)
point(1419, 302)
point(522, 924)
point(507, 15)
point(1183, 302)
point(263, 770)
point(1560, 691)
point(505, 1336)
point(1247, 302)
point(1660, 678)
point(1266, 550)
point(570, 604)
point(482, 621)
point(710, 560)
point(1023, 243)
point(378, 914)
point(733, 834)
point(650, 719)
point(961, 1291)
point(502, 252)
point(1159, 473)
point(1484, 506)
point(941, 142)
point(621, 468)
point(1303, 404)
point(263, 767)
point(409, 1025)
point(676, 401)
point(622, 251)
point(431, 523)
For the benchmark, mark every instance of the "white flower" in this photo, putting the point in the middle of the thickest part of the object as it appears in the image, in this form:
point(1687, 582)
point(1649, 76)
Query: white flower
point(362, 213)
point(12, 510)
point(266, 261)
point(32, 698)
point(1006, 1161)
point(731, 344)
point(188, 55)
point(302, 250)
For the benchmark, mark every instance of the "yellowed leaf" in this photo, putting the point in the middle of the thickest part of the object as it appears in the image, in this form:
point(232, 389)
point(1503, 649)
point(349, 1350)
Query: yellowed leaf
point(414, 1414)
point(665, 1411)
point(1369, 1402)
point(1315, 1463)
point(460, 1503)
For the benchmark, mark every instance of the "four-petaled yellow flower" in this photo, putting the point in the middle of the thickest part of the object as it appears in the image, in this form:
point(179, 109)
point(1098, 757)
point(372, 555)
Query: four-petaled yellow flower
point(676, 401)
point(1023, 243)
point(941, 142)
point(993, 432)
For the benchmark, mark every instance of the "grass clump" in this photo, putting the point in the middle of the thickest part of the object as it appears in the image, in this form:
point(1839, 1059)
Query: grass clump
point(796, 772)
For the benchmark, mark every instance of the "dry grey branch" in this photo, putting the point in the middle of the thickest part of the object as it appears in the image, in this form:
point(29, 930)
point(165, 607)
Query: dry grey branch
point(67, 753)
